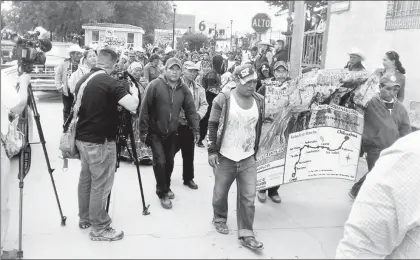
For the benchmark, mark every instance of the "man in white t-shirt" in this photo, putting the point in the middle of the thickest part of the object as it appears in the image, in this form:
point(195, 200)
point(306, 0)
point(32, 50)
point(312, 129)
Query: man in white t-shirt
point(234, 131)
point(12, 104)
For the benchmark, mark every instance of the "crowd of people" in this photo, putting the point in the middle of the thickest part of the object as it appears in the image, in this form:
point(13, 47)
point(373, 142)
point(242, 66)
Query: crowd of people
point(185, 97)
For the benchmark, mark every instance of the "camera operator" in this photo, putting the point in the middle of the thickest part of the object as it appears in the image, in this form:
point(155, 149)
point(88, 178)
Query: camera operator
point(96, 133)
point(13, 102)
point(63, 74)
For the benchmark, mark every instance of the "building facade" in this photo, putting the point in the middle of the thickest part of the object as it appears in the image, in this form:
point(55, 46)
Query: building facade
point(121, 35)
point(376, 27)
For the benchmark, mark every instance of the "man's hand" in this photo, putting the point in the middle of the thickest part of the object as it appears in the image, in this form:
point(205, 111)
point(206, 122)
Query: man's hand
point(196, 137)
point(134, 90)
point(213, 160)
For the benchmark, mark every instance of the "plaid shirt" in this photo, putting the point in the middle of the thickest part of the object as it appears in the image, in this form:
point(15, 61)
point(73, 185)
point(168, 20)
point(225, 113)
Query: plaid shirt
point(385, 219)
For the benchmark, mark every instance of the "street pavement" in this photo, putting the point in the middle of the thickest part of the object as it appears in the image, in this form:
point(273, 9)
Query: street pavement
point(307, 224)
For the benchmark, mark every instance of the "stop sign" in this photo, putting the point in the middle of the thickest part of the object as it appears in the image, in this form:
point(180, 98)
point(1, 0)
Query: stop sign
point(261, 23)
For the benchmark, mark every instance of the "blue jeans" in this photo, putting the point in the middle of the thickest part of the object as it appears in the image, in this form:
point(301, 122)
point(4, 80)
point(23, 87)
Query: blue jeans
point(245, 173)
point(95, 182)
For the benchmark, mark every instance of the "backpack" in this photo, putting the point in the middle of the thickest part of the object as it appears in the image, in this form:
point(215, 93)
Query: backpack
point(68, 138)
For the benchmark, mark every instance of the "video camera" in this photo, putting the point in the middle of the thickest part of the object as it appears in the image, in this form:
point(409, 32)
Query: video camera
point(30, 50)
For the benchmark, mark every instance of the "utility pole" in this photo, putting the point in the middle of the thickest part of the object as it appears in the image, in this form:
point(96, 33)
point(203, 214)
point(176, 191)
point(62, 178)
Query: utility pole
point(173, 28)
point(231, 21)
point(297, 39)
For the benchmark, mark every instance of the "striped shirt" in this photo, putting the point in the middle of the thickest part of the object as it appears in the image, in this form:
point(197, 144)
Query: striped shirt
point(385, 219)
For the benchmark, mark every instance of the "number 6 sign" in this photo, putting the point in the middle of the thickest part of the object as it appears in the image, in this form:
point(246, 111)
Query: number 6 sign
point(202, 26)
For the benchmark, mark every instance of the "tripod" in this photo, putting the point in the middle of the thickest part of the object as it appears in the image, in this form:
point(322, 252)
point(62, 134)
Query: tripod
point(122, 143)
point(24, 162)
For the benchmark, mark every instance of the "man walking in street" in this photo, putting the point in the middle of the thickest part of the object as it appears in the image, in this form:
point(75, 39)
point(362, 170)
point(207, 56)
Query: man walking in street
point(62, 75)
point(159, 120)
point(234, 133)
point(185, 141)
point(151, 70)
point(96, 133)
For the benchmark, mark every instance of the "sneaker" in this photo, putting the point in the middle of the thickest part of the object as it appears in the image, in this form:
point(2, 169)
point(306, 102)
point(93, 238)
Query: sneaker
point(166, 202)
point(108, 234)
point(12, 254)
point(171, 195)
point(275, 198)
point(262, 196)
point(191, 184)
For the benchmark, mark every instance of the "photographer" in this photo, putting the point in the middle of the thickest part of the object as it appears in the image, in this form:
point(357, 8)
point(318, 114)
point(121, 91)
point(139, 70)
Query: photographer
point(96, 133)
point(13, 102)
point(63, 74)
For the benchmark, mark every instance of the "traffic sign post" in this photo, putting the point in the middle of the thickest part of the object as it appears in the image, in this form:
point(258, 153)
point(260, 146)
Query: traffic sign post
point(261, 22)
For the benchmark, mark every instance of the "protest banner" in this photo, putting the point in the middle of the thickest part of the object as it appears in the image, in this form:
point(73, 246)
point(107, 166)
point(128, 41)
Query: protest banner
point(319, 95)
point(328, 133)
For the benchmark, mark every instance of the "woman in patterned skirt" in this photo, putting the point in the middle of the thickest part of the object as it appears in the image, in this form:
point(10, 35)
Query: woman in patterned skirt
point(144, 153)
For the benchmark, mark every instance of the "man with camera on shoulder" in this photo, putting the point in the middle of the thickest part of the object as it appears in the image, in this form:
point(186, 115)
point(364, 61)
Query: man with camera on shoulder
point(96, 133)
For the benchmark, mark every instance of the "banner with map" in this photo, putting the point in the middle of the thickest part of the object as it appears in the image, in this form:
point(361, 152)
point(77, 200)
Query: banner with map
point(309, 121)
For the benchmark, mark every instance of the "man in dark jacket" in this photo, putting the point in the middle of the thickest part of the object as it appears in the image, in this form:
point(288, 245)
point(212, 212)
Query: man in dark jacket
point(281, 53)
point(159, 120)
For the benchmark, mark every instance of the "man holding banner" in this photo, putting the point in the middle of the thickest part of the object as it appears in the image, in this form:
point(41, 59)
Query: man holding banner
point(234, 132)
point(280, 76)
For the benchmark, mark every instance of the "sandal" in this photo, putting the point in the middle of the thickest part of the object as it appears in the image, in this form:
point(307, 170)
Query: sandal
point(84, 225)
point(221, 227)
point(251, 243)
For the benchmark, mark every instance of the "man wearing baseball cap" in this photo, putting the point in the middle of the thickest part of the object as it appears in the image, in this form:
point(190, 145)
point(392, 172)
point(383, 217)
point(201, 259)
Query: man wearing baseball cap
point(62, 75)
point(186, 142)
point(385, 121)
point(280, 76)
point(159, 121)
point(234, 133)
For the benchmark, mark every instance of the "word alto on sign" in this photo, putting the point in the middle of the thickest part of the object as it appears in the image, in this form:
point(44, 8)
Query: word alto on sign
point(263, 23)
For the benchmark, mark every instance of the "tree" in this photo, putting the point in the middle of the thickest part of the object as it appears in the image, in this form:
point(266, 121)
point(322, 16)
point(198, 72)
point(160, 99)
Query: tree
point(283, 6)
point(67, 17)
point(195, 40)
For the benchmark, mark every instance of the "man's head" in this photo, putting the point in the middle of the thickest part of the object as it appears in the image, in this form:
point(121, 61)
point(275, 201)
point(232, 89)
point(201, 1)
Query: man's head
point(265, 70)
point(238, 60)
point(75, 53)
point(280, 71)
point(154, 59)
point(136, 69)
point(279, 45)
point(131, 56)
point(205, 67)
point(388, 87)
point(190, 70)
point(206, 56)
point(195, 58)
point(356, 56)
point(231, 55)
point(107, 60)
point(246, 79)
point(254, 51)
point(173, 69)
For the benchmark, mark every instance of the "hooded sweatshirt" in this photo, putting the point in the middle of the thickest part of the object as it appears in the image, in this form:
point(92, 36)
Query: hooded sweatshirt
point(161, 107)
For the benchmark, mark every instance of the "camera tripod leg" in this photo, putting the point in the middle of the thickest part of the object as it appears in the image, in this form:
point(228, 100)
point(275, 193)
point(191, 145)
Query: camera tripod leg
point(42, 140)
point(136, 161)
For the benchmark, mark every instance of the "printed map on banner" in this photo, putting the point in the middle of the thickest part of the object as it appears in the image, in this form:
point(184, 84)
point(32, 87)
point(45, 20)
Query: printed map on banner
point(319, 100)
point(328, 147)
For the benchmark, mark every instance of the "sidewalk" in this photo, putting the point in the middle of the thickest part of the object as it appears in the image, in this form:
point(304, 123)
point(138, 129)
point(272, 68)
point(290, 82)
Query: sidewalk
point(308, 223)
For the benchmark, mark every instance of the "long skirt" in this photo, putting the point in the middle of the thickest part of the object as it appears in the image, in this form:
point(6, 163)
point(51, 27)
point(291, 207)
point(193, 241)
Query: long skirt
point(144, 153)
